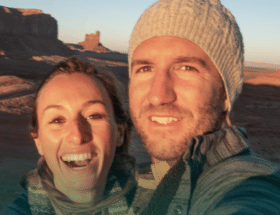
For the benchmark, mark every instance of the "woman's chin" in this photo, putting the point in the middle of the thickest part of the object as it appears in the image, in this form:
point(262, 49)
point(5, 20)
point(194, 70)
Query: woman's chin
point(79, 175)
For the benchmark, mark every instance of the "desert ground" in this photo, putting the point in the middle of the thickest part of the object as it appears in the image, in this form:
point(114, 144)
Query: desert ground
point(257, 110)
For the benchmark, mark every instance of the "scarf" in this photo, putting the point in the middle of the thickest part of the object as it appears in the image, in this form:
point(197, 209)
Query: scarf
point(44, 198)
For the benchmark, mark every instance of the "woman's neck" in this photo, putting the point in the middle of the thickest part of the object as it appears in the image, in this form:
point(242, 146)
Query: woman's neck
point(84, 196)
point(93, 195)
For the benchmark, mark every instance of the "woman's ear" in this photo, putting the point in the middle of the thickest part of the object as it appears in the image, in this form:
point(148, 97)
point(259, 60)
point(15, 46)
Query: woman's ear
point(37, 143)
point(121, 133)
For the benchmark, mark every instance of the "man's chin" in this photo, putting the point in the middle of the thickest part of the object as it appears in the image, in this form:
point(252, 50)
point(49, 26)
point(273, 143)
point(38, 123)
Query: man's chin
point(165, 150)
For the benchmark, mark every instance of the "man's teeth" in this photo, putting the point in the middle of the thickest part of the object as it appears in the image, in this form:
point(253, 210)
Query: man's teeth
point(164, 120)
point(76, 157)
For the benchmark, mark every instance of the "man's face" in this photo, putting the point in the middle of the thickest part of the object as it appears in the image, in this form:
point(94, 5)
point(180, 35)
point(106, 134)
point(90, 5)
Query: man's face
point(175, 93)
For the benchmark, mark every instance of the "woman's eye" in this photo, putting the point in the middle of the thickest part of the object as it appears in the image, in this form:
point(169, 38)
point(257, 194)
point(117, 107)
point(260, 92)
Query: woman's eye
point(95, 116)
point(57, 121)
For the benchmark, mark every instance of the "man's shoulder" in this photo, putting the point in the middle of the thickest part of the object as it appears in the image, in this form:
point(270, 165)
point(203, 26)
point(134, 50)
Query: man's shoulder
point(216, 181)
point(250, 163)
point(256, 192)
point(239, 168)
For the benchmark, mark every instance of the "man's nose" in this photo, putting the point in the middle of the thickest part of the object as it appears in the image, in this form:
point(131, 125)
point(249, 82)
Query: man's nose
point(162, 89)
point(79, 131)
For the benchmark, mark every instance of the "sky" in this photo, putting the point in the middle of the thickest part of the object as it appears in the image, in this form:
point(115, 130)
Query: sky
point(259, 21)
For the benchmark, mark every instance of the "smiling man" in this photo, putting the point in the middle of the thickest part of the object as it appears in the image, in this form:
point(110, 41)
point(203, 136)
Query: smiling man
point(186, 71)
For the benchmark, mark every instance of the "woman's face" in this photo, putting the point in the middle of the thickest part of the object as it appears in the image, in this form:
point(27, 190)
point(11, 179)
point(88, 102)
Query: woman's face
point(77, 132)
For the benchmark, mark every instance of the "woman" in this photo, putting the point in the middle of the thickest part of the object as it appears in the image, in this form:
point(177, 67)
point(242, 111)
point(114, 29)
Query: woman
point(81, 131)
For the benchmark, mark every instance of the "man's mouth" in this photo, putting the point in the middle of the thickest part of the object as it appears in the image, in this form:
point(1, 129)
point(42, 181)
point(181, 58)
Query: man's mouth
point(77, 160)
point(165, 120)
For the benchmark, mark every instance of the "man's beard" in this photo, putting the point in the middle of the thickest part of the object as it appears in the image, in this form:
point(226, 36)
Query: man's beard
point(170, 145)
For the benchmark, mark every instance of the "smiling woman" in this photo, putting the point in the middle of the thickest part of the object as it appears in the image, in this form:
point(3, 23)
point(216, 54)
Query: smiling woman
point(81, 131)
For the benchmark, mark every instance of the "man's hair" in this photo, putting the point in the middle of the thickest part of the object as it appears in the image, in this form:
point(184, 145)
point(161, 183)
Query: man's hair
point(206, 23)
point(123, 163)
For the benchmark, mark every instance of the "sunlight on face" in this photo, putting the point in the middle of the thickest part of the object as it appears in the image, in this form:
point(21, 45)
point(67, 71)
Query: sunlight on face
point(175, 93)
point(77, 132)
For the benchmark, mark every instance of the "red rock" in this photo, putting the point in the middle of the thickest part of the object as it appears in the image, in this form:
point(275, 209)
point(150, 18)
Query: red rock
point(29, 32)
point(266, 79)
point(92, 43)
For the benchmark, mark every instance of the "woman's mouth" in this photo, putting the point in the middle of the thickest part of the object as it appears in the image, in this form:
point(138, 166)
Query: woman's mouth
point(76, 161)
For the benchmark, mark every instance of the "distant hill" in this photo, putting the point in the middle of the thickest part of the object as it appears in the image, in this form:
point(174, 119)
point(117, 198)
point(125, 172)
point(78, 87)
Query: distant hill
point(266, 79)
point(262, 65)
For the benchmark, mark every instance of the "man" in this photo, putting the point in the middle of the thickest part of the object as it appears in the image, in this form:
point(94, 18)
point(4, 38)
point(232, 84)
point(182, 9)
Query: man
point(186, 71)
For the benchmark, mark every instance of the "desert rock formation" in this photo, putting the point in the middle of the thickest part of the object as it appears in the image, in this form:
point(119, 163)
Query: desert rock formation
point(266, 79)
point(20, 22)
point(27, 55)
point(29, 32)
point(92, 43)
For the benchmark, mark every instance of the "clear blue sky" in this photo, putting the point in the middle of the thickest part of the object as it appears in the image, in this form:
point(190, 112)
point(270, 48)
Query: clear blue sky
point(259, 21)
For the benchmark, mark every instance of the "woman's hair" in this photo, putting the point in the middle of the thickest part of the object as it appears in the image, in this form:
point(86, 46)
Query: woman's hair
point(123, 163)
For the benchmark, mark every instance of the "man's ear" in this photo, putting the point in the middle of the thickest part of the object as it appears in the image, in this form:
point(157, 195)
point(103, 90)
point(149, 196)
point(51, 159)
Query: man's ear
point(121, 133)
point(226, 104)
point(226, 107)
point(38, 144)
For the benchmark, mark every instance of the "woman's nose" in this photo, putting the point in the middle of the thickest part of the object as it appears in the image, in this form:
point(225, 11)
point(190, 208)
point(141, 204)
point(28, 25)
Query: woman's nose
point(79, 131)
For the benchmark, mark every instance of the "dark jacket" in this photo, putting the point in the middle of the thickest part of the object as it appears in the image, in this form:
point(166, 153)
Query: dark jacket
point(218, 174)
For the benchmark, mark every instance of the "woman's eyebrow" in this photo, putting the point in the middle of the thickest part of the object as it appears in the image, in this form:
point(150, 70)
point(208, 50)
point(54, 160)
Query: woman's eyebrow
point(86, 104)
point(53, 106)
point(92, 102)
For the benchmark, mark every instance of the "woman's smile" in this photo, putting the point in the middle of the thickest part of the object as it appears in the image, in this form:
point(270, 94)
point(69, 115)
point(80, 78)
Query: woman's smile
point(78, 161)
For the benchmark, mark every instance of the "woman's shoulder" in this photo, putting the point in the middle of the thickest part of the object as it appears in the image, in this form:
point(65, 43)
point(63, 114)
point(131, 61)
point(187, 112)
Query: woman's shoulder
point(20, 206)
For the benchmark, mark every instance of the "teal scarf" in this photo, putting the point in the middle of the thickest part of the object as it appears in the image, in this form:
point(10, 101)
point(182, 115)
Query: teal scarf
point(44, 198)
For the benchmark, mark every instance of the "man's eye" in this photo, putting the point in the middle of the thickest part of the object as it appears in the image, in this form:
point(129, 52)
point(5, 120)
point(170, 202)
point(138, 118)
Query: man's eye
point(188, 68)
point(57, 121)
point(145, 69)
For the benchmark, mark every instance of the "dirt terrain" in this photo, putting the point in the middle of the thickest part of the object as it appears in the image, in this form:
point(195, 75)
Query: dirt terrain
point(257, 109)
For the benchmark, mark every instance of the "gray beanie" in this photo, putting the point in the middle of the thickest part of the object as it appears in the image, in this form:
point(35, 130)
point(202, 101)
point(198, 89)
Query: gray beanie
point(208, 24)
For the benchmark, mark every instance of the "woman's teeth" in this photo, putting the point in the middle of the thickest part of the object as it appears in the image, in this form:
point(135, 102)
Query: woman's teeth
point(76, 157)
point(77, 160)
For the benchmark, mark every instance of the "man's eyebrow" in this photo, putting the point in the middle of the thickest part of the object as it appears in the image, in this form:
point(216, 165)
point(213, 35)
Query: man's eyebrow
point(192, 60)
point(139, 62)
point(177, 60)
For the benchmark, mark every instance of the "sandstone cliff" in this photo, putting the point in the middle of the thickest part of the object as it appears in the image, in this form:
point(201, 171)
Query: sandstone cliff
point(27, 21)
point(266, 79)
point(92, 43)
point(29, 32)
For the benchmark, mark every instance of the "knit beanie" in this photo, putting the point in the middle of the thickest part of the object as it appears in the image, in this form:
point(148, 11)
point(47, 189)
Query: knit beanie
point(206, 23)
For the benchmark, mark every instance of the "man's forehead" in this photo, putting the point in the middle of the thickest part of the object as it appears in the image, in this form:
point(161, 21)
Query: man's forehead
point(182, 50)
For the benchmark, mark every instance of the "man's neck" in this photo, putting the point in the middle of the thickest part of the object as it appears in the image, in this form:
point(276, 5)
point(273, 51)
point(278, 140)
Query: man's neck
point(160, 168)
point(171, 163)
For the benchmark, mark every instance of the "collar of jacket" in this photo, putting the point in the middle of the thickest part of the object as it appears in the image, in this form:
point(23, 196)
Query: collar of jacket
point(212, 148)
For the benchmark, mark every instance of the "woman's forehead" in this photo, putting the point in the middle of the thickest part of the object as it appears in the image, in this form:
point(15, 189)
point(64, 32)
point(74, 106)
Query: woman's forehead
point(72, 87)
